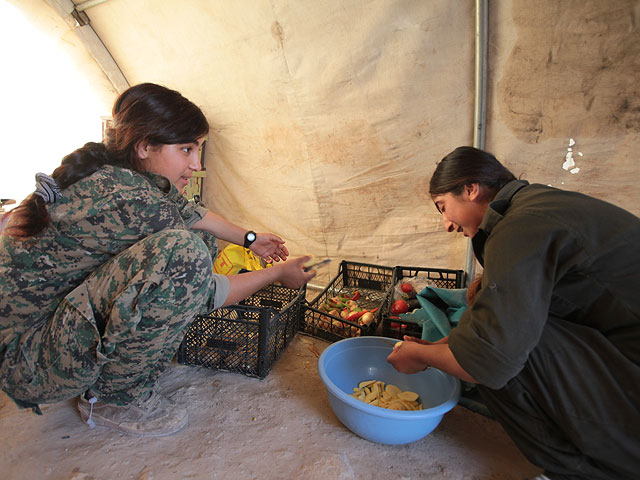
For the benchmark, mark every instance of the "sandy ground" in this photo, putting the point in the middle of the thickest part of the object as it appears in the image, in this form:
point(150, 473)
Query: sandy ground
point(247, 428)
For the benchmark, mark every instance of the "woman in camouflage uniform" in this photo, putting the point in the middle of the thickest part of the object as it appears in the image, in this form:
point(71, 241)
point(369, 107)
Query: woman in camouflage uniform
point(101, 274)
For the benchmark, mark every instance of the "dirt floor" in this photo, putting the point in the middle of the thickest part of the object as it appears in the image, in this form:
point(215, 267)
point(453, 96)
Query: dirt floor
point(247, 428)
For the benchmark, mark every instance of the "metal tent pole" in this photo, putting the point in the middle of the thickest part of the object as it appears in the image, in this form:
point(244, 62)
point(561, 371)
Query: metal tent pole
point(79, 23)
point(480, 104)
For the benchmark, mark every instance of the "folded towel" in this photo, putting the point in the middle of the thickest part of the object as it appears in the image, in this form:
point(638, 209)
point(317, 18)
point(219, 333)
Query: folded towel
point(441, 309)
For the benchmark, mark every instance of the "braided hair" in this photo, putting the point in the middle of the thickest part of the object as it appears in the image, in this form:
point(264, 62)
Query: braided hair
point(148, 112)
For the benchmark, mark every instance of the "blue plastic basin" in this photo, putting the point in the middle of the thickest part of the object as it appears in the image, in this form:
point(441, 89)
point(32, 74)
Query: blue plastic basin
point(344, 364)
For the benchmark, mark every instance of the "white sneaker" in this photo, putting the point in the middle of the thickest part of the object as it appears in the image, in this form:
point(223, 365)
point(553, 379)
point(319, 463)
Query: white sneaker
point(155, 417)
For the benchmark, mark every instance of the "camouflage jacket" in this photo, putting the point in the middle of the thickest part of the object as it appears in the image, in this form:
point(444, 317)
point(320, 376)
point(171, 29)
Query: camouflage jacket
point(96, 218)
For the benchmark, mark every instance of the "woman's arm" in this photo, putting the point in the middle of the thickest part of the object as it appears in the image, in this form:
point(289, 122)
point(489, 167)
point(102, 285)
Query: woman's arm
point(221, 228)
point(290, 274)
point(266, 245)
point(413, 356)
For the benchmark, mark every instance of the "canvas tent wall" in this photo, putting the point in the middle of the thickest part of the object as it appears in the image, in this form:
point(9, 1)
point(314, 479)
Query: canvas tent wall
point(329, 116)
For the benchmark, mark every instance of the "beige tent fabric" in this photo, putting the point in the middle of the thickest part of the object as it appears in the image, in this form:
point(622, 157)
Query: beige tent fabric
point(564, 81)
point(329, 116)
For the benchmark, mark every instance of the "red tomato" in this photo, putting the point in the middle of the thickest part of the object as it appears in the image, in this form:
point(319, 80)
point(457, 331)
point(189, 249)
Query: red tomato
point(399, 306)
point(406, 288)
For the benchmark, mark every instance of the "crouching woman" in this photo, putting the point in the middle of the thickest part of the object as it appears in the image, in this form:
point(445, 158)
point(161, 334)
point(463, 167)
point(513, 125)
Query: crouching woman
point(101, 272)
point(552, 337)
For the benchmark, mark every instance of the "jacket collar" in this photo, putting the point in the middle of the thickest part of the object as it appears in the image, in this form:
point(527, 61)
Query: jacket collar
point(494, 214)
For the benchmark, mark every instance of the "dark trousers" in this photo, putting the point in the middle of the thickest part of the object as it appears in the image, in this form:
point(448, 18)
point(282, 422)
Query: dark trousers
point(574, 410)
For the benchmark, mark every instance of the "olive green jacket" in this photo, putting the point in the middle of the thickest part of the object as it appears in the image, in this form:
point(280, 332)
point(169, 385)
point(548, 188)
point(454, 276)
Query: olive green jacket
point(549, 253)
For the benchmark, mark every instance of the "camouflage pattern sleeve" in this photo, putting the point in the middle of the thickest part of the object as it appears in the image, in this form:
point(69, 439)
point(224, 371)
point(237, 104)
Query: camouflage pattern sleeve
point(190, 213)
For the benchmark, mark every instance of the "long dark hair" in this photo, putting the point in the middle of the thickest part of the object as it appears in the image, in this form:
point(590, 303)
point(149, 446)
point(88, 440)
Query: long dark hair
point(146, 111)
point(466, 166)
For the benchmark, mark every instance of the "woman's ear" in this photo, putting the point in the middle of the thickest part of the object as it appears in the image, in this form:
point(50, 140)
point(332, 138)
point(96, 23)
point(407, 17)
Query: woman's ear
point(473, 191)
point(142, 149)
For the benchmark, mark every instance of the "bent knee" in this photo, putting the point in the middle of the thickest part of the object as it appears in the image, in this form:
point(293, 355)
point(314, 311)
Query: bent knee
point(184, 250)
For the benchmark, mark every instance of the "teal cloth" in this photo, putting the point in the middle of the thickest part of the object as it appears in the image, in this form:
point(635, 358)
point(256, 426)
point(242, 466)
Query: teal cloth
point(441, 309)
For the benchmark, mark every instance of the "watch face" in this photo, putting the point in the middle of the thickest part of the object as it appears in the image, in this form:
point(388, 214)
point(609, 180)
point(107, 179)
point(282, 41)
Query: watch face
point(251, 236)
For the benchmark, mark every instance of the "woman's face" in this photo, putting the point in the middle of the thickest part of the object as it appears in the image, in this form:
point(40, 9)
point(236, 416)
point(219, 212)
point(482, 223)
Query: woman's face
point(464, 212)
point(176, 162)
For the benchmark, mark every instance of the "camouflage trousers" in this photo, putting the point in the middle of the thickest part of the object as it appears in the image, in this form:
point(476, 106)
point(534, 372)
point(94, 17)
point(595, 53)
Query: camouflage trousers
point(117, 331)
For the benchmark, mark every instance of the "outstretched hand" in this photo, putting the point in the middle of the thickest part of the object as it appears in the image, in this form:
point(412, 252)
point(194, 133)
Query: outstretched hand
point(292, 273)
point(270, 247)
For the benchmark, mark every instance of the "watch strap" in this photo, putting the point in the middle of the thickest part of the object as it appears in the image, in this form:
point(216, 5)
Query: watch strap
point(249, 238)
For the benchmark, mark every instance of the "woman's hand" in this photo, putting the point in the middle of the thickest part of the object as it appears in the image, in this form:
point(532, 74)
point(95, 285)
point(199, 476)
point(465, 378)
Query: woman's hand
point(407, 338)
point(270, 247)
point(407, 356)
point(414, 355)
point(290, 274)
point(266, 245)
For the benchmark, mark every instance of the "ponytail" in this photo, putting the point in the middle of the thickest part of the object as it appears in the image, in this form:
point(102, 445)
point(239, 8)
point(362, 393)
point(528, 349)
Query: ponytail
point(31, 216)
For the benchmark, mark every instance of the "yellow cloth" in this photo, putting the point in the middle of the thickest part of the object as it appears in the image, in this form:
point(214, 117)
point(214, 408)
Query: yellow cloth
point(234, 258)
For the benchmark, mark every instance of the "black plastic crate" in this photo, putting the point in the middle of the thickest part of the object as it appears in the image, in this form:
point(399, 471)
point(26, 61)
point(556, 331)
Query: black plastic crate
point(372, 281)
point(440, 278)
point(247, 337)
